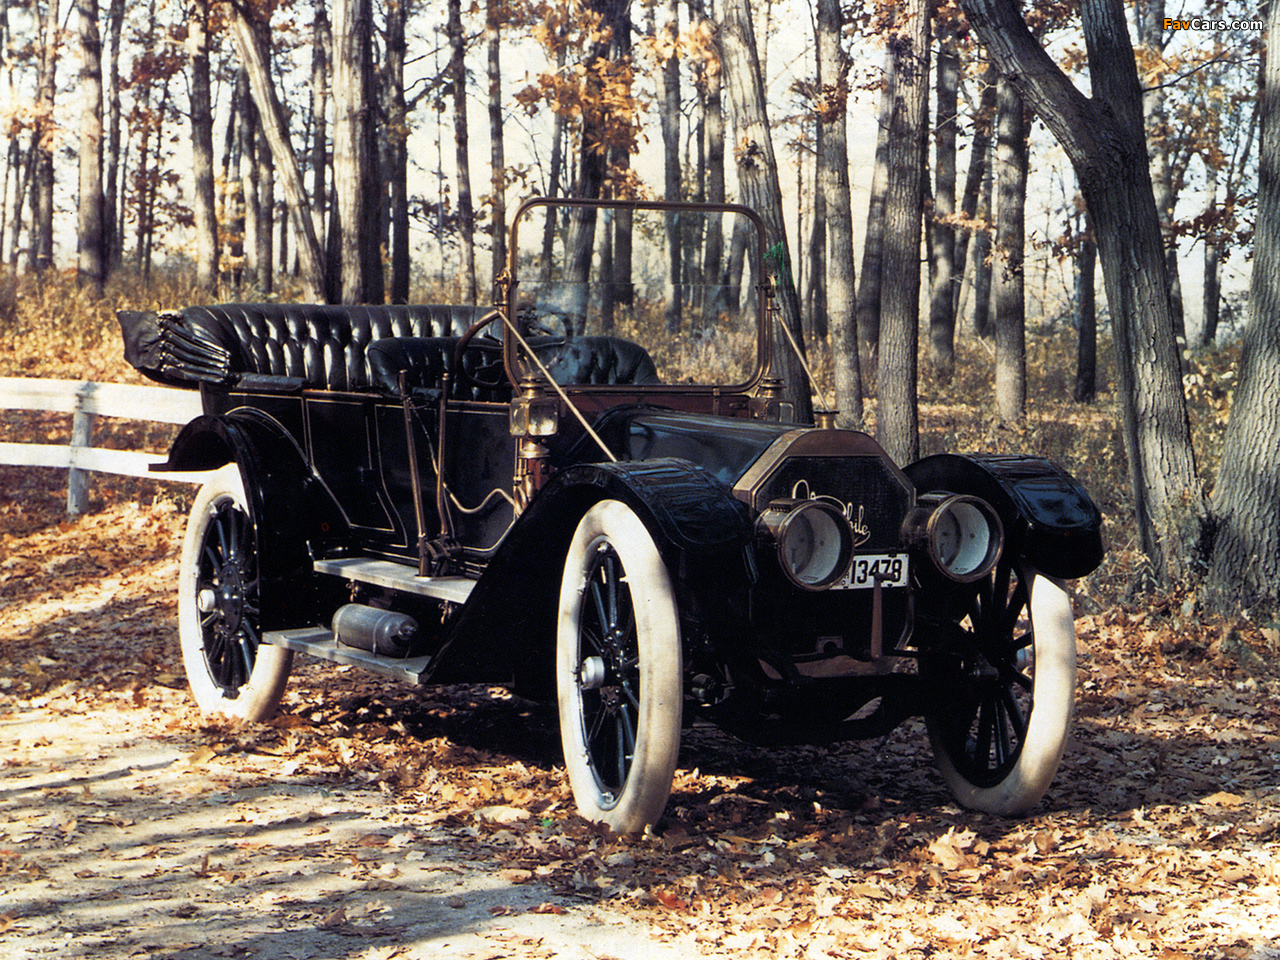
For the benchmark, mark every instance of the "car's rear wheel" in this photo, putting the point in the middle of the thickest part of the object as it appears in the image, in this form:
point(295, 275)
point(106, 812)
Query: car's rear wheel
point(1006, 692)
point(228, 668)
point(618, 670)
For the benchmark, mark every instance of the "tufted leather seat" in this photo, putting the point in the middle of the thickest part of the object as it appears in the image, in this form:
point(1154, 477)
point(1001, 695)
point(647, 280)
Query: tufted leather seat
point(578, 362)
point(333, 347)
point(326, 346)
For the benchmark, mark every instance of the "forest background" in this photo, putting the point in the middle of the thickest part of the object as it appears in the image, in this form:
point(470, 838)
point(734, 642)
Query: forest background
point(164, 153)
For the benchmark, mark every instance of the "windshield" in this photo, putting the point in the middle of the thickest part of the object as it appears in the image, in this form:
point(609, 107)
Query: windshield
point(678, 280)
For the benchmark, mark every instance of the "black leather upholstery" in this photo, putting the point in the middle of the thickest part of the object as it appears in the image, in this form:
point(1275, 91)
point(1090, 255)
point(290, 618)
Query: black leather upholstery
point(356, 348)
point(324, 345)
point(578, 362)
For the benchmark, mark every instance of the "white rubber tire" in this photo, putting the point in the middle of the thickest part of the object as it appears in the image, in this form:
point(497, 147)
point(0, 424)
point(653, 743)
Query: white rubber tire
point(258, 697)
point(612, 528)
point(1053, 704)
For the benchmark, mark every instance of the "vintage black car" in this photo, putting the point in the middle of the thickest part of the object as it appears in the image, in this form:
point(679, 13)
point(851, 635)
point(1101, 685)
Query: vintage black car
point(591, 492)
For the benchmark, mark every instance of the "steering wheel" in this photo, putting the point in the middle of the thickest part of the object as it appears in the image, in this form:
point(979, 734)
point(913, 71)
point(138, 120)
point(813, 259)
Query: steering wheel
point(459, 370)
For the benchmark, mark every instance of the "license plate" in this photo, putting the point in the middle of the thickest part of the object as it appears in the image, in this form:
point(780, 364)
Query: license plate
point(891, 569)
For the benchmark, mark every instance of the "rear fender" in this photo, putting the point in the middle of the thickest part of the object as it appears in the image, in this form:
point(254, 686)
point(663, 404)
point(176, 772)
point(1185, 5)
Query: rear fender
point(292, 512)
point(1049, 519)
point(506, 633)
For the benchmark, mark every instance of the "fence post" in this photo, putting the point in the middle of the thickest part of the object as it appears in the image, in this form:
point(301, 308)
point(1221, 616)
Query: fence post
point(81, 436)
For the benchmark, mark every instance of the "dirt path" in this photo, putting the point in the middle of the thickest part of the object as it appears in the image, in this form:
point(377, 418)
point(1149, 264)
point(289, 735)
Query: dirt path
point(121, 841)
point(372, 820)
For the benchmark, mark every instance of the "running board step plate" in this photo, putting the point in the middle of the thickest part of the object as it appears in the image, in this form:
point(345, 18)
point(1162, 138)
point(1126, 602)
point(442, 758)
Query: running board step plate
point(319, 642)
point(398, 576)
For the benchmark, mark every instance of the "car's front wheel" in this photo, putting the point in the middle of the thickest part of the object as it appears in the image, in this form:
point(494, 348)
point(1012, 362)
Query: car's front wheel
point(1005, 683)
point(228, 668)
point(618, 670)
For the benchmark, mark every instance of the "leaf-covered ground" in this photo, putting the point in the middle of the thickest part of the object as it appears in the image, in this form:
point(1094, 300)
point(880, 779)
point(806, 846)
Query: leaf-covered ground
point(343, 827)
point(375, 821)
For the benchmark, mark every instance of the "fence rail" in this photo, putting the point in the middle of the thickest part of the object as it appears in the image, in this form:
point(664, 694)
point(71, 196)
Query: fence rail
point(86, 401)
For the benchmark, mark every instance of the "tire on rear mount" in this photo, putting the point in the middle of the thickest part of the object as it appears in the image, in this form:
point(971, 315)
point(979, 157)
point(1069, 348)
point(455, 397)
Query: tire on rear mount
point(619, 673)
point(229, 671)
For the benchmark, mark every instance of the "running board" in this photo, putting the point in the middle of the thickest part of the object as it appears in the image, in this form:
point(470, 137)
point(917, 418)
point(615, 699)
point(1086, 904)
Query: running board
point(319, 642)
point(398, 576)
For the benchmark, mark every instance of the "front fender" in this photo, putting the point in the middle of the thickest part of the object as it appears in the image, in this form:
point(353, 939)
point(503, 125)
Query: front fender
point(507, 630)
point(291, 511)
point(1048, 517)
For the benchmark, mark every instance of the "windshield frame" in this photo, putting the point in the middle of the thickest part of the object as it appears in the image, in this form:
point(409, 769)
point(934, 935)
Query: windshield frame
point(518, 369)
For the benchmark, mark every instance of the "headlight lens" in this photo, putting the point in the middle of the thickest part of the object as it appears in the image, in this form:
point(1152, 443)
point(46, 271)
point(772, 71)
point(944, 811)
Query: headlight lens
point(814, 540)
point(965, 538)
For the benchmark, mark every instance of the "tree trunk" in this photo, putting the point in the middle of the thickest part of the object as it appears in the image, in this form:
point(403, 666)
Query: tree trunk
point(1086, 386)
point(466, 213)
point(1103, 137)
point(976, 178)
point(351, 23)
point(266, 213)
point(321, 41)
point(23, 194)
point(594, 148)
point(758, 183)
point(204, 201)
point(1245, 569)
point(247, 132)
point(111, 205)
point(46, 87)
point(713, 131)
point(91, 269)
point(249, 44)
point(398, 150)
point(869, 283)
point(816, 293)
point(668, 81)
point(942, 273)
point(897, 418)
point(1012, 128)
point(497, 151)
point(981, 259)
point(233, 202)
point(1212, 264)
point(834, 184)
point(1150, 21)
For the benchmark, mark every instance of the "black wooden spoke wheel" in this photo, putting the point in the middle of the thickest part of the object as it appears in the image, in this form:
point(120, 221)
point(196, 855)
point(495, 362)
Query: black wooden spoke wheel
point(228, 668)
point(1005, 678)
point(618, 670)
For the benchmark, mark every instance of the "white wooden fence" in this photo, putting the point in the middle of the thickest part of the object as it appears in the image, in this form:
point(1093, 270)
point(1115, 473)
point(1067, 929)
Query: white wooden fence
point(86, 401)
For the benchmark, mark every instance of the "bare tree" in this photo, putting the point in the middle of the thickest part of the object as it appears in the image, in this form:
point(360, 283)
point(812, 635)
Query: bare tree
point(1103, 137)
point(46, 87)
point(1086, 386)
point(91, 268)
point(897, 416)
point(397, 145)
point(976, 177)
point(942, 233)
point(111, 217)
point(833, 157)
point(497, 152)
point(1245, 569)
point(203, 208)
point(869, 281)
point(249, 42)
point(462, 155)
point(321, 41)
point(1012, 127)
point(758, 183)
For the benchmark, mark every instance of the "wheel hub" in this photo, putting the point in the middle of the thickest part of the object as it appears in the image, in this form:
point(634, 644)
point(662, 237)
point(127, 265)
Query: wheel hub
point(231, 597)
